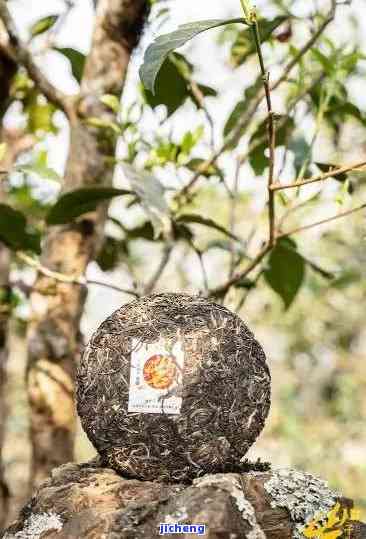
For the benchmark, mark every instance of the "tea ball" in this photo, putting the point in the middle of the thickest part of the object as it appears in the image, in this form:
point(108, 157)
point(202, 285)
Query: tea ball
point(171, 387)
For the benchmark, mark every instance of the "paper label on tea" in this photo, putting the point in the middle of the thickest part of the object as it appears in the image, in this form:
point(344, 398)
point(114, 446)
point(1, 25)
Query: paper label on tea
point(156, 377)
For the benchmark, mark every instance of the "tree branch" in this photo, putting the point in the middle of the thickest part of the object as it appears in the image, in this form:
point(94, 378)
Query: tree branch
point(271, 133)
point(223, 289)
point(248, 116)
point(330, 174)
point(322, 222)
point(70, 279)
point(159, 270)
point(68, 249)
point(282, 120)
point(314, 38)
point(18, 52)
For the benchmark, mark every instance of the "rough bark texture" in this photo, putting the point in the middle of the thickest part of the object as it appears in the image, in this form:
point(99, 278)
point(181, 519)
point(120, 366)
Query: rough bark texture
point(17, 143)
point(54, 339)
point(7, 71)
point(92, 502)
point(4, 315)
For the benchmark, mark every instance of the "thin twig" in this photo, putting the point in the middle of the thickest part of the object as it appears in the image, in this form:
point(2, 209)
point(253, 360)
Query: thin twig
point(271, 134)
point(330, 174)
point(233, 206)
point(203, 268)
point(204, 167)
point(223, 289)
point(290, 211)
point(322, 222)
point(149, 287)
point(245, 296)
point(282, 120)
point(69, 279)
point(200, 98)
point(249, 114)
point(19, 52)
point(308, 45)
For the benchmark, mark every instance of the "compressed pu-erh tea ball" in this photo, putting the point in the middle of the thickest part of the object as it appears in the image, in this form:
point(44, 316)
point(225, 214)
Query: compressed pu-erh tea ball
point(171, 387)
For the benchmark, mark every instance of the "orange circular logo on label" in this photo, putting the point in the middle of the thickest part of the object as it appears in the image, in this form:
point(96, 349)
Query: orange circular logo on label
point(160, 371)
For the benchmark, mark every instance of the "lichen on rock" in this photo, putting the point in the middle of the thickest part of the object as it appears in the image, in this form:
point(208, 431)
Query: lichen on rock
point(231, 484)
point(36, 525)
point(302, 494)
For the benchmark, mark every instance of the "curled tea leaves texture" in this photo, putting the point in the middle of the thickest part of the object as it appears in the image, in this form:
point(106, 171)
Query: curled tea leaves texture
point(202, 378)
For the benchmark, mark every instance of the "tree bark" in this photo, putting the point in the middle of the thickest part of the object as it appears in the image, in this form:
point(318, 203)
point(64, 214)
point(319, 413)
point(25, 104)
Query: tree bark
point(4, 316)
point(54, 338)
point(93, 502)
point(7, 71)
point(17, 143)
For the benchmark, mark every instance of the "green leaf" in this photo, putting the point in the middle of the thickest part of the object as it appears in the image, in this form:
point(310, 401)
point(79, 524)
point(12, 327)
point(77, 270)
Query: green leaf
point(327, 64)
point(22, 197)
point(171, 88)
point(191, 139)
point(75, 203)
point(199, 165)
point(227, 245)
point(257, 157)
point(205, 221)
point(165, 152)
point(14, 232)
point(43, 25)
point(152, 196)
point(302, 152)
point(240, 108)
point(40, 168)
point(141, 232)
point(39, 113)
point(286, 271)
point(43, 172)
point(160, 49)
point(111, 253)
point(3, 149)
point(244, 44)
point(234, 117)
point(346, 278)
point(245, 283)
point(77, 61)
point(207, 91)
point(349, 187)
point(326, 167)
point(101, 123)
point(112, 102)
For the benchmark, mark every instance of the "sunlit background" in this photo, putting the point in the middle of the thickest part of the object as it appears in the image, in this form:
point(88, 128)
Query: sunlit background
point(316, 349)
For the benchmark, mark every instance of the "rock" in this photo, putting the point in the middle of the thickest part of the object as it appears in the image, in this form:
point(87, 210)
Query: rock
point(92, 502)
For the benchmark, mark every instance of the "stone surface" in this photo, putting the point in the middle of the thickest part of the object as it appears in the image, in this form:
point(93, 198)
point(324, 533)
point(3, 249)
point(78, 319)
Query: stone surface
point(92, 502)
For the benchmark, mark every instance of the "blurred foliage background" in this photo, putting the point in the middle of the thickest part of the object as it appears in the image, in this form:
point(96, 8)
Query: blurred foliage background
point(306, 301)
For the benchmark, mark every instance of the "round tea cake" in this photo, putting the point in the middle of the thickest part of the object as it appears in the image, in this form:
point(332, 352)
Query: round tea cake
point(171, 387)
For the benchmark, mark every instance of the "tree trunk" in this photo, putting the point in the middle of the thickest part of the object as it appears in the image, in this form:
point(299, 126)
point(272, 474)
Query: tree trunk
point(93, 502)
point(7, 71)
point(54, 339)
point(4, 315)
